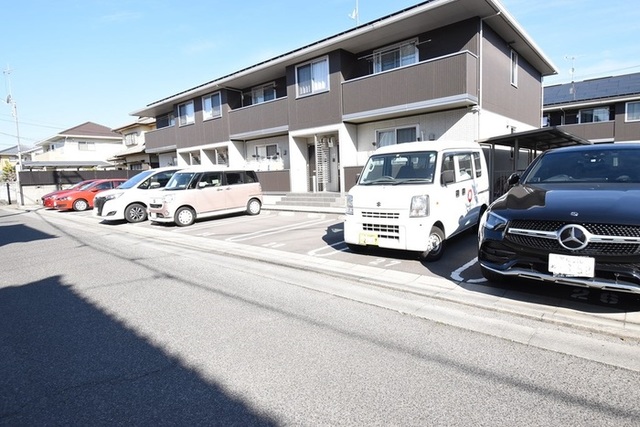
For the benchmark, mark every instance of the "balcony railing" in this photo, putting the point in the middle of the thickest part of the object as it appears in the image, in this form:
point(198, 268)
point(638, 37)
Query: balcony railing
point(592, 131)
point(260, 119)
point(448, 81)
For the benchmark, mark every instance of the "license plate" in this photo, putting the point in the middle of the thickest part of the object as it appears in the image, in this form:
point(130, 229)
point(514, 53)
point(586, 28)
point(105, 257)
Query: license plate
point(368, 239)
point(571, 266)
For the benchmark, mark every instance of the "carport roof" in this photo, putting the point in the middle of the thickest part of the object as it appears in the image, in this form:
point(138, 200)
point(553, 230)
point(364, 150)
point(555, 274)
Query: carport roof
point(537, 139)
point(67, 164)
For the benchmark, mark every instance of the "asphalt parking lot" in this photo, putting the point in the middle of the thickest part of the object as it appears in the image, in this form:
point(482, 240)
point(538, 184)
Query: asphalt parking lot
point(318, 236)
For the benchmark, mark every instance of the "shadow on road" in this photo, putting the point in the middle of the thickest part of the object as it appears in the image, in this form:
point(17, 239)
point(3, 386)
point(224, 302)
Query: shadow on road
point(65, 362)
point(21, 233)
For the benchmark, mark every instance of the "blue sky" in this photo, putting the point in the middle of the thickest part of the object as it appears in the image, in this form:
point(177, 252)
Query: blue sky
point(73, 61)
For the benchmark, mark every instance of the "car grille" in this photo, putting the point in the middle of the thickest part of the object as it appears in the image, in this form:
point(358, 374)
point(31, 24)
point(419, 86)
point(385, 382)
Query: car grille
point(155, 205)
point(98, 203)
point(381, 215)
point(383, 231)
point(614, 248)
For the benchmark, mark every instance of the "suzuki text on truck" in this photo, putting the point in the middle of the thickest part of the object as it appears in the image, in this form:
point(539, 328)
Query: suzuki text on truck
point(414, 196)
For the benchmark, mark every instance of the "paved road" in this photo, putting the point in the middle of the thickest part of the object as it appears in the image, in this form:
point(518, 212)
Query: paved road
point(138, 325)
point(316, 239)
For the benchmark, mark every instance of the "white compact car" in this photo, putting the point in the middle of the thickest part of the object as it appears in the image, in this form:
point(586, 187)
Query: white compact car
point(128, 201)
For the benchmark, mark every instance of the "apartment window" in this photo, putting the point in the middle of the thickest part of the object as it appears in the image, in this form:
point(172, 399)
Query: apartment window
point(165, 120)
point(514, 68)
point(395, 56)
point(267, 151)
point(633, 112)
point(86, 146)
point(592, 115)
point(396, 136)
point(211, 106)
point(263, 93)
point(186, 115)
point(313, 77)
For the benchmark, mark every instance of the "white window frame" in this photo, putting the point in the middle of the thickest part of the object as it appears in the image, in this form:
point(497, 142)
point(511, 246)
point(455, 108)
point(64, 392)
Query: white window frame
point(258, 93)
point(392, 135)
point(514, 68)
point(187, 117)
point(212, 106)
point(636, 113)
point(594, 114)
point(86, 146)
point(402, 61)
point(317, 83)
point(130, 138)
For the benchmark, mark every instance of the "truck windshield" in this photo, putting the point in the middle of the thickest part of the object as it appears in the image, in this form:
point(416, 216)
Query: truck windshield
point(399, 168)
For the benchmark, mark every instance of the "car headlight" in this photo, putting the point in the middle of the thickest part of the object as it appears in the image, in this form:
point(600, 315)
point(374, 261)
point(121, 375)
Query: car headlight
point(493, 221)
point(349, 208)
point(419, 206)
point(168, 198)
point(114, 195)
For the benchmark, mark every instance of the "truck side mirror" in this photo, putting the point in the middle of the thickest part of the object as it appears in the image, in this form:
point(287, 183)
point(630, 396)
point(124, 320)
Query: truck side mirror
point(447, 177)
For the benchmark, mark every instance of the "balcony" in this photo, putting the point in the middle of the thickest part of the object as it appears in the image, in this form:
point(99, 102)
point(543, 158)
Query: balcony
point(259, 120)
point(599, 131)
point(445, 82)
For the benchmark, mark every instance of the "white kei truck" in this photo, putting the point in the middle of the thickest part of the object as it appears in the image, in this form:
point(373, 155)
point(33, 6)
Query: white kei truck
point(414, 196)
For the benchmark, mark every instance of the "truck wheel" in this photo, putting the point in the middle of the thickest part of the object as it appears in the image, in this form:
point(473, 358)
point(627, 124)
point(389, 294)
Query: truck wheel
point(184, 217)
point(437, 238)
point(135, 212)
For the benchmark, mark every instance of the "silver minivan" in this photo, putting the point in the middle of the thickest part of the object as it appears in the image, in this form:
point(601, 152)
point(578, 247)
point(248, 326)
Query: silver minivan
point(204, 192)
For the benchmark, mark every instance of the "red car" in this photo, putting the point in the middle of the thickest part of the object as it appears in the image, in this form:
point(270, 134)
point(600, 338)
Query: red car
point(82, 198)
point(49, 198)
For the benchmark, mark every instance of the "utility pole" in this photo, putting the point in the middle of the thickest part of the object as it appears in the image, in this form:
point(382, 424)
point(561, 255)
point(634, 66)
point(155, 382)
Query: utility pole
point(14, 112)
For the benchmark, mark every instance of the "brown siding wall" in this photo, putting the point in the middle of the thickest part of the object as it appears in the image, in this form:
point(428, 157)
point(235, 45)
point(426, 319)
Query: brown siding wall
point(625, 131)
point(316, 110)
point(522, 103)
point(351, 176)
point(275, 181)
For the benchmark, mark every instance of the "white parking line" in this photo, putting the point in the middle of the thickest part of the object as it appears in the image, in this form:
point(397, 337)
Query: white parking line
point(330, 250)
point(270, 231)
point(457, 274)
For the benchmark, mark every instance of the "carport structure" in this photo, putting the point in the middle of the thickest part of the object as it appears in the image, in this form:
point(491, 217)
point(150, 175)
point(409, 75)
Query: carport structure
point(513, 152)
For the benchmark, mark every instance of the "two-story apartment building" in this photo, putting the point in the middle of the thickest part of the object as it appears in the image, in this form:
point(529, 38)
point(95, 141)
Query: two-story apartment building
point(605, 109)
point(443, 69)
point(133, 155)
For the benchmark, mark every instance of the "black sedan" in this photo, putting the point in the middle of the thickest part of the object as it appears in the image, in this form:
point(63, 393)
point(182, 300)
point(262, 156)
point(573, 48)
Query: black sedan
point(573, 218)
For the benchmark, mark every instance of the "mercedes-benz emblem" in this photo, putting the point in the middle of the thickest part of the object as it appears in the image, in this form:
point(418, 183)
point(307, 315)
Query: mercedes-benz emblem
point(573, 237)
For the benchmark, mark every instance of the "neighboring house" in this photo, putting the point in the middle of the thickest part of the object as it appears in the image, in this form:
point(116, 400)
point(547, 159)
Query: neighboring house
point(133, 155)
point(606, 109)
point(309, 118)
point(9, 156)
point(88, 145)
